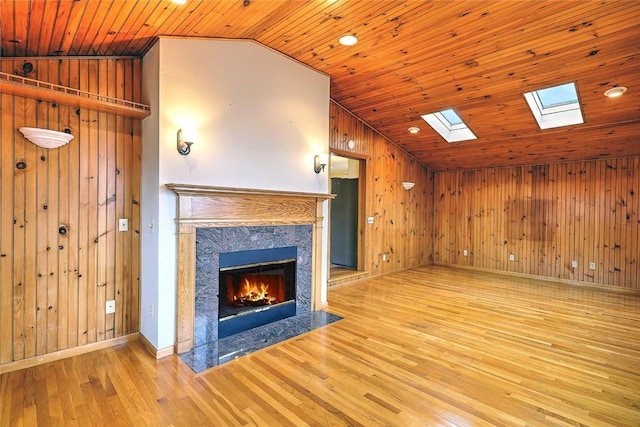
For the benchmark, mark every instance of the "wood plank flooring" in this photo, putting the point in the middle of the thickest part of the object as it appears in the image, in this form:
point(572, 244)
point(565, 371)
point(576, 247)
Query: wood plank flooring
point(424, 347)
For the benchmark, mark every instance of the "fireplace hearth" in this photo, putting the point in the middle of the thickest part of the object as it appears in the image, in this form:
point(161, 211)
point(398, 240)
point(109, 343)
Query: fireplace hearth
point(215, 353)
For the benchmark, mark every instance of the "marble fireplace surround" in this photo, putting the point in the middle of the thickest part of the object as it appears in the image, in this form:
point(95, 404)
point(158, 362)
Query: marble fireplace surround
point(213, 242)
point(205, 207)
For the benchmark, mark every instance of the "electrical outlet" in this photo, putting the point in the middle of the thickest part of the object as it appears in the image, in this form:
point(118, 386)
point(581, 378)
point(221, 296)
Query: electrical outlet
point(512, 257)
point(384, 257)
point(592, 266)
point(574, 264)
point(110, 306)
point(370, 220)
point(123, 224)
point(465, 253)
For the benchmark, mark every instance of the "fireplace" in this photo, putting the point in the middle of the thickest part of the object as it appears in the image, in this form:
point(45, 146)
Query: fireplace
point(255, 288)
point(225, 256)
point(212, 221)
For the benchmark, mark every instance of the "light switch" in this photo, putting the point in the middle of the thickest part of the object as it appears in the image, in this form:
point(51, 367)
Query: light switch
point(123, 224)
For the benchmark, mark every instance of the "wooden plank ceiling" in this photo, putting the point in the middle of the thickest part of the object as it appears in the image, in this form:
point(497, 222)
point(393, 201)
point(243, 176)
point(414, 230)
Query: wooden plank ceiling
point(413, 57)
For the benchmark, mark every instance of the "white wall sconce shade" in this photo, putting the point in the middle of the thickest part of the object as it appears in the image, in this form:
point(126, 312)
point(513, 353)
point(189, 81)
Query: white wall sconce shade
point(408, 185)
point(46, 138)
point(184, 147)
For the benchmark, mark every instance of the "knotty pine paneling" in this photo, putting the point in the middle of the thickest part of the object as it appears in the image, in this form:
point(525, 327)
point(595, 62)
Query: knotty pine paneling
point(61, 256)
point(383, 79)
point(547, 216)
point(403, 220)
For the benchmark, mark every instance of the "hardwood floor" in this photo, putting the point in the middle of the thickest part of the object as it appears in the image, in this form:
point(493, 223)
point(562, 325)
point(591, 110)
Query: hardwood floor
point(427, 346)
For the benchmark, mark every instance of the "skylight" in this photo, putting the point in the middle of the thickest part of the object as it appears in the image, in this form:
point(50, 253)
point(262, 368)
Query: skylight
point(555, 106)
point(449, 125)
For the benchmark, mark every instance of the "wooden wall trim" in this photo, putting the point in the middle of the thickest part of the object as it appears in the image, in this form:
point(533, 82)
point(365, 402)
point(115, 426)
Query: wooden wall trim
point(64, 354)
point(202, 206)
point(544, 279)
point(153, 351)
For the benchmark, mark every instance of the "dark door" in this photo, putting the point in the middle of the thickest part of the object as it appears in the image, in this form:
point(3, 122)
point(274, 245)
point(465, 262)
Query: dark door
point(344, 222)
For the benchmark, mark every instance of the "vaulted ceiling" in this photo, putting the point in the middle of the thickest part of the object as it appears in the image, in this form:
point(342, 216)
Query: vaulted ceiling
point(413, 57)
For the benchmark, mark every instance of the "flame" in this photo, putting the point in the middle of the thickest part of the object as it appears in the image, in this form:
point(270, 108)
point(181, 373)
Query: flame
point(253, 292)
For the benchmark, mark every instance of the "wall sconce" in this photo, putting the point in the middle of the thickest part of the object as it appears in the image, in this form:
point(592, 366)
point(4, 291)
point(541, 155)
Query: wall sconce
point(350, 143)
point(319, 162)
point(184, 147)
point(46, 138)
point(408, 185)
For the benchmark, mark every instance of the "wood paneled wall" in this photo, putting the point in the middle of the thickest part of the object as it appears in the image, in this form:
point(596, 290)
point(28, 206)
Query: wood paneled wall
point(547, 216)
point(403, 220)
point(61, 255)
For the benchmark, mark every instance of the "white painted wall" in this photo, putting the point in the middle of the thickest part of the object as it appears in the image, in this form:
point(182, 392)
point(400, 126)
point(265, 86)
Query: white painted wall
point(257, 119)
point(149, 202)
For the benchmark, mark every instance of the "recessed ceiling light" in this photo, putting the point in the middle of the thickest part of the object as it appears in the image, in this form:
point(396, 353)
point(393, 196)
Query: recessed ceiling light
point(348, 40)
point(414, 129)
point(179, 1)
point(615, 91)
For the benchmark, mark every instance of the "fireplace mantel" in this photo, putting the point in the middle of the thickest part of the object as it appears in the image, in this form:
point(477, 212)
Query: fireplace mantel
point(205, 206)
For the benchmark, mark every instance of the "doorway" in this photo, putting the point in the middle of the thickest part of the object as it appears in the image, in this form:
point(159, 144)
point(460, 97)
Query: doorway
point(345, 216)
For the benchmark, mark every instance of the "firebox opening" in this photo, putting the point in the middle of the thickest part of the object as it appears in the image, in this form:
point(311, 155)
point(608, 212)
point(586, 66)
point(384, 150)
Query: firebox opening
point(257, 293)
point(249, 287)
